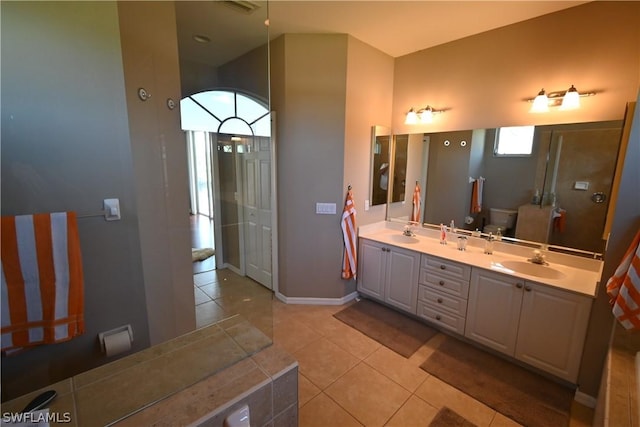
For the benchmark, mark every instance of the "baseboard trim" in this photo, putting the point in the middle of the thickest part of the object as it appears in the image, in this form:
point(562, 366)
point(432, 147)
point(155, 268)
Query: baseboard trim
point(585, 399)
point(316, 301)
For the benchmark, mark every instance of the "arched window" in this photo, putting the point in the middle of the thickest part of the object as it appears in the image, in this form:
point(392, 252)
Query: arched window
point(225, 111)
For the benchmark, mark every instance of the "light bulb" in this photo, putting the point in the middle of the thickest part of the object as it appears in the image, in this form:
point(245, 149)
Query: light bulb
point(426, 116)
point(571, 99)
point(412, 118)
point(540, 103)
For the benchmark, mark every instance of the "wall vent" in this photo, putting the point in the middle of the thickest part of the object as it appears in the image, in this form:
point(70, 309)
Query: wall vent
point(243, 6)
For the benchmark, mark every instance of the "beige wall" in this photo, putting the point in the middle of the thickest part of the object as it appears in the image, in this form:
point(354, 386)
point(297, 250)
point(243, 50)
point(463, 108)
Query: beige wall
point(150, 61)
point(309, 100)
point(368, 102)
point(484, 79)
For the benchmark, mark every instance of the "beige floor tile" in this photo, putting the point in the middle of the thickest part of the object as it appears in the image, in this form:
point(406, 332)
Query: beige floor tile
point(200, 296)
point(368, 395)
point(349, 339)
point(321, 411)
point(306, 390)
point(323, 362)
point(415, 412)
point(500, 420)
point(208, 313)
point(292, 335)
point(438, 394)
point(397, 368)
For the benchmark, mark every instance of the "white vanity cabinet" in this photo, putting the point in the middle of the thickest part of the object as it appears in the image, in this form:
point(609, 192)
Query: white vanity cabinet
point(540, 325)
point(389, 273)
point(442, 292)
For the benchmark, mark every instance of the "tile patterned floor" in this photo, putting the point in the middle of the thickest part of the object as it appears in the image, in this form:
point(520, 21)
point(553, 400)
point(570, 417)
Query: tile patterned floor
point(345, 378)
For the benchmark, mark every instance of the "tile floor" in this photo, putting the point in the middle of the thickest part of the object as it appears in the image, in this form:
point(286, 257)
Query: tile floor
point(346, 378)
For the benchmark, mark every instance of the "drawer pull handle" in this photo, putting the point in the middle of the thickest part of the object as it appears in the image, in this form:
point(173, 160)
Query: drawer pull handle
point(527, 288)
point(439, 300)
point(441, 282)
point(438, 317)
point(442, 267)
point(519, 285)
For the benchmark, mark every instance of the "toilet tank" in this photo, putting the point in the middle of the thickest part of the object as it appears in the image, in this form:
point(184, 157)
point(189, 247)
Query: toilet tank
point(504, 218)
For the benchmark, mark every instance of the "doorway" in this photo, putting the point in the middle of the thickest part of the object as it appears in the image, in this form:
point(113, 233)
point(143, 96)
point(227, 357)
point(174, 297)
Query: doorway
point(231, 179)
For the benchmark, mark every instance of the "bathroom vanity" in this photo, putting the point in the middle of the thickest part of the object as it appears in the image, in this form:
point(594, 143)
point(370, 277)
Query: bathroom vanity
point(537, 314)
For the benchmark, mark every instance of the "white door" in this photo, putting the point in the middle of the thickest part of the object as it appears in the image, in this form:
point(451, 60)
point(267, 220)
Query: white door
point(256, 165)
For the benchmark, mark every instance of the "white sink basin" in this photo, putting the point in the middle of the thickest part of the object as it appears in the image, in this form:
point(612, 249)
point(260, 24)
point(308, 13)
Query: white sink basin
point(401, 238)
point(531, 269)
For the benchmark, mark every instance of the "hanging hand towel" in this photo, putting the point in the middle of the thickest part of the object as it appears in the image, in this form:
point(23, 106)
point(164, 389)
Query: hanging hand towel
point(42, 280)
point(349, 259)
point(624, 287)
point(476, 195)
point(415, 213)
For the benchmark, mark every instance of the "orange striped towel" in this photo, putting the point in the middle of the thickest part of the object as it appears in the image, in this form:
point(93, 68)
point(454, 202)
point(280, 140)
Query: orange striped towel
point(624, 287)
point(476, 195)
point(415, 213)
point(42, 280)
point(350, 256)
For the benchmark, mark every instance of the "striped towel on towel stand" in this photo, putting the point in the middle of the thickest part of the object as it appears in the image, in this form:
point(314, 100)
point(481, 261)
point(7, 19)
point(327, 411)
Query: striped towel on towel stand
point(350, 256)
point(624, 287)
point(42, 280)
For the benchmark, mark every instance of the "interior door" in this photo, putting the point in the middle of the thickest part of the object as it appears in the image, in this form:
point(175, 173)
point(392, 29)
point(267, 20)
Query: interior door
point(256, 165)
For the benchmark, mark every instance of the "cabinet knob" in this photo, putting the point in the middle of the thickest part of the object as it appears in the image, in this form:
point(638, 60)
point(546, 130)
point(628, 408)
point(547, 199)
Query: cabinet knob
point(439, 300)
point(441, 282)
point(519, 285)
point(527, 288)
point(438, 317)
point(442, 267)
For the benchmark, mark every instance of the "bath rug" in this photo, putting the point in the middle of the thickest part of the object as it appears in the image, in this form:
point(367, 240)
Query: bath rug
point(448, 418)
point(528, 398)
point(201, 254)
point(390, 328)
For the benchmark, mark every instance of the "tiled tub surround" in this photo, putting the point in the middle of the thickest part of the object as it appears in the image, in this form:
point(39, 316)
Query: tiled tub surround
point(539, 320)
point(191, 379)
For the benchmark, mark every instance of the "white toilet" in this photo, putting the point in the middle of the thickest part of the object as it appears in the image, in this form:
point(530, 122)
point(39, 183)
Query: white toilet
point(504, 219)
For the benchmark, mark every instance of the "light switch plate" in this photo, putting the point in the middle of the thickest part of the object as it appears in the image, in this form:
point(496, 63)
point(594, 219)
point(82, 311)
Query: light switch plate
point(326, 208)
point(581, 185)
point(112, 209)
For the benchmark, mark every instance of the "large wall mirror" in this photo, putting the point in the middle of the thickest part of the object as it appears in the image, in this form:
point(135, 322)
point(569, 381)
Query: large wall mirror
point(556, 194)
point(389, 155)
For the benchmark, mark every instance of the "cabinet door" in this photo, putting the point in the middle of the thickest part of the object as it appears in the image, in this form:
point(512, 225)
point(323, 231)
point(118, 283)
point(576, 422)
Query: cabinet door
point(493, 310)
point(552, 330)
point(372, 258)
point(402, 279)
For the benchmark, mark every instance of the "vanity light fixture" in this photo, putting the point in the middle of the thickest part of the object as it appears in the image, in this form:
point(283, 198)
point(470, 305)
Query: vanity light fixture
point(424, 115)
point(567, 100)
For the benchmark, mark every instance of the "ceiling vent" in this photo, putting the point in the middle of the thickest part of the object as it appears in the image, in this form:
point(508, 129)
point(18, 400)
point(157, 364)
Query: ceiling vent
point(242, 6)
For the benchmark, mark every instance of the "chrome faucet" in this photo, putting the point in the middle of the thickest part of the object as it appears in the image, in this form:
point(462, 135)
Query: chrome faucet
point(538, 258)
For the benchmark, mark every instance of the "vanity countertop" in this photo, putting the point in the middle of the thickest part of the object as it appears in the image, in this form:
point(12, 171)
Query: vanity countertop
point(567, 272)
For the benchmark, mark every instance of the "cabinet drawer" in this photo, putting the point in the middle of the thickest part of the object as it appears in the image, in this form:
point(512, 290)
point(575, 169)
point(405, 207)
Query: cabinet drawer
point(445, 267)
point(449, 303)
point(441, 318)
point(455, 287)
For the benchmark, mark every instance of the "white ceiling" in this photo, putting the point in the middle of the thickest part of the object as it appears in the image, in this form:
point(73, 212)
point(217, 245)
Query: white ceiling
point(394, 27)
